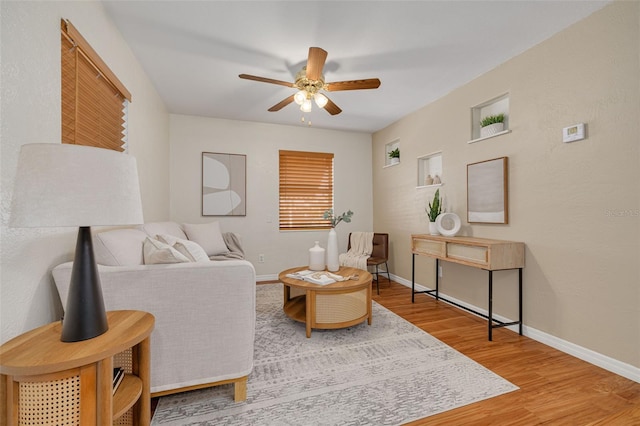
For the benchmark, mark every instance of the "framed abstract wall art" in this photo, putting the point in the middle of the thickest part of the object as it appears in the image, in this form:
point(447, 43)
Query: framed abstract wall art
point(224, 184)
point(487, 196)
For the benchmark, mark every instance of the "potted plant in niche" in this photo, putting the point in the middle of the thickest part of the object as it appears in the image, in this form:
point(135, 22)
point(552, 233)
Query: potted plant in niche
point(433, 211)
point(394, 156)
point(333, 263)
point(491, 124)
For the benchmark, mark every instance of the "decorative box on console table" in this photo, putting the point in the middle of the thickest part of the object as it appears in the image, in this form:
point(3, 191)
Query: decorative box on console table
point(488, 254)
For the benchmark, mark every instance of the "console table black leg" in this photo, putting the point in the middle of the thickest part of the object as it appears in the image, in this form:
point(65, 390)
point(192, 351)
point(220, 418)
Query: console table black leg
point(490, 305)
point(520, 298)
point(437, 280)
point(413, 277)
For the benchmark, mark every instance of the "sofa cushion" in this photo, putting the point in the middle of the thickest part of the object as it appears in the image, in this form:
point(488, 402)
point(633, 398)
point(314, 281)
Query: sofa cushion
point(158, 252)
point(168, 228)
point(119, 247)
point(208, 236)
point(190, 249)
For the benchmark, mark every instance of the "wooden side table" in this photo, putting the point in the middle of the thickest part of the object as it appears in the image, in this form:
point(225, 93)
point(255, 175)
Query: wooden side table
point(51, 382)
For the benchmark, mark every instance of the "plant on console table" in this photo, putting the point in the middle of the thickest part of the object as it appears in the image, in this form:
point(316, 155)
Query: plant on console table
point(433, 212)
point(333, 263)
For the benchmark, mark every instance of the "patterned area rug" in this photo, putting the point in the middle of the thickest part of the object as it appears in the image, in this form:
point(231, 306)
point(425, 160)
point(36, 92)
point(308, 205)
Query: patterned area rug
point(388, 373)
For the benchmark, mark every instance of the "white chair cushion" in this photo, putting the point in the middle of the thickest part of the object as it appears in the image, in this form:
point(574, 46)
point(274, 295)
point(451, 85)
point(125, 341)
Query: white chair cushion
point(119, 247)
point(208, 236)
point(158, 252)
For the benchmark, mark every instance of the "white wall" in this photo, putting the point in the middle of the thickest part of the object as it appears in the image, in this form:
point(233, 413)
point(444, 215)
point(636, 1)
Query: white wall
point(30, 111)
point(190, 136)
point(576, 206)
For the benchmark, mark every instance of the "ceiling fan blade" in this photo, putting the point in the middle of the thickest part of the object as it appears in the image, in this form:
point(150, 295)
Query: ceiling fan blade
point(283, 103)
point(315, 63)
point(332, 108)
point(266, 80)
point(370, 83)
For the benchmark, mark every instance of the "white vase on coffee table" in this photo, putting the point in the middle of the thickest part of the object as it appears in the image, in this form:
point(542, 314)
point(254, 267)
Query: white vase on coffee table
point(333, 263)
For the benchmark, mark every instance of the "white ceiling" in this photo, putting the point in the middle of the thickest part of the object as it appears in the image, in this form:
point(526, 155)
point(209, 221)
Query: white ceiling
point(193, 51)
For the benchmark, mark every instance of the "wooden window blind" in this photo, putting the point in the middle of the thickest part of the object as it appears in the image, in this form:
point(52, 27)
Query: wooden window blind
point(93, 100)
point(306, 189)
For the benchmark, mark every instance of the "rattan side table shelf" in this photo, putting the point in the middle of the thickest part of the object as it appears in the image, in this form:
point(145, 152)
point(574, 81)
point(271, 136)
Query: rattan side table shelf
point(49, 382)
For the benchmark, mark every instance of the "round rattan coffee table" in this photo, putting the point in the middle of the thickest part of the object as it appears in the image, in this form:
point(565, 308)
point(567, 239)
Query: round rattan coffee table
point(336, 305)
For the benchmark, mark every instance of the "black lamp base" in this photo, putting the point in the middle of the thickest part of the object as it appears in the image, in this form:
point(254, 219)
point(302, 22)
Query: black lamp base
point(85, 316)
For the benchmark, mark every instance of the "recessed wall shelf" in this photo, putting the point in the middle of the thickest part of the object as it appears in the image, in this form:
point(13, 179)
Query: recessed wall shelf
point(387, 149)
point(430, 166)
point(490, 136)
point(495, 106)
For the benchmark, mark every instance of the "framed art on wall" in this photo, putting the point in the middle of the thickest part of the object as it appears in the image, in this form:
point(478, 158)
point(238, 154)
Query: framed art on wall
point(487, 200)
point(224, 184)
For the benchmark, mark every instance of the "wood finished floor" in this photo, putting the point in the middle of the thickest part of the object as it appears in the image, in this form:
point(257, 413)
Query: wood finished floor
point(555, 388)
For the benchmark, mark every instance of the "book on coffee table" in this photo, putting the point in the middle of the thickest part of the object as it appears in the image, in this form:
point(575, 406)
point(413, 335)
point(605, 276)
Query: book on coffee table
point(315, 277)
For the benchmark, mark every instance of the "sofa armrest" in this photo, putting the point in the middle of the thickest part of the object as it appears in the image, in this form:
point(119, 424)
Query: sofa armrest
point(205, 316)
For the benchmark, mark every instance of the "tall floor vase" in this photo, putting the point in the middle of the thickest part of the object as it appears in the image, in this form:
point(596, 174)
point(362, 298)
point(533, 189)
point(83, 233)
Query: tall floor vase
point(332, 251)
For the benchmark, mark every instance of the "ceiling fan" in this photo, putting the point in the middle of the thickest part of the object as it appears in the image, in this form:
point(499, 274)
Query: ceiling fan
point(310, 82)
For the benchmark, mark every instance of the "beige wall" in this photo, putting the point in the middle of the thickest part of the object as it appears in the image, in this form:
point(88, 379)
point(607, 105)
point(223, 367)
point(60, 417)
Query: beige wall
point(576, 206)
point(190, 136)
point(30, 109)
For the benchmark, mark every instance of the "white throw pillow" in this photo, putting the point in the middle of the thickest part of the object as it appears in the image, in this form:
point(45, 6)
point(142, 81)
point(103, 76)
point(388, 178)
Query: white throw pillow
point(190, 249)
point(208, 236)
point(170, 228)
point(119, 247)
point(158, 252)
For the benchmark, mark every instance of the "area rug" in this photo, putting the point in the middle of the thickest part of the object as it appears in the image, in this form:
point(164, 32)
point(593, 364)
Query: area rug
point(388, 373)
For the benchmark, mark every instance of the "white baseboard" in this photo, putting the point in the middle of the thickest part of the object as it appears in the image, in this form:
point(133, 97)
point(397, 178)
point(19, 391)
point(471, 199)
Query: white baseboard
point(592, 357)
point(270, 277)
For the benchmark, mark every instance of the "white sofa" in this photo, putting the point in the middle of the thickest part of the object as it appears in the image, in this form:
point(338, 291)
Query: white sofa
point(204, 310)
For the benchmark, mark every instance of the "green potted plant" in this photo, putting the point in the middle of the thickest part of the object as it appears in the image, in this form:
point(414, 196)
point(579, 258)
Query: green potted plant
point(394, 156)
point(491, 124)
point(433, 212)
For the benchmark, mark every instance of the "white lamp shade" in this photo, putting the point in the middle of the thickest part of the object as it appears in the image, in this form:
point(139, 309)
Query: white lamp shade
point(300, 97)
point(72, 185)
point(306, 106)
point(321, 100)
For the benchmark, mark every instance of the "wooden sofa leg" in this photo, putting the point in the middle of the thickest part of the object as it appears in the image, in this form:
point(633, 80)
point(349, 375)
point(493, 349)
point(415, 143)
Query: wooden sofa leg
point(240, 390)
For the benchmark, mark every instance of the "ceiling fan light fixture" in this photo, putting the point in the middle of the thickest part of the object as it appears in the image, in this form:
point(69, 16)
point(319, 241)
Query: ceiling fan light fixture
point(306, 106)
point(300, 97)
point(321, 100)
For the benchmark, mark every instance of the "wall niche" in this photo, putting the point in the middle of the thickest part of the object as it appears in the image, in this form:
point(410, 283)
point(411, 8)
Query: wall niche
point(430, 170)
point(495, 106)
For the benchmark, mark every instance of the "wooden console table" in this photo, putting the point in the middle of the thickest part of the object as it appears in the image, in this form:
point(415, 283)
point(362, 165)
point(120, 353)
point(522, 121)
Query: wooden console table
point(53, 382)
point(490, 255)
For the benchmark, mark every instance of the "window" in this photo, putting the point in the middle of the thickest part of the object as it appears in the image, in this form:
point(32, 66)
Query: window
point(306, 189)
point(94, 101)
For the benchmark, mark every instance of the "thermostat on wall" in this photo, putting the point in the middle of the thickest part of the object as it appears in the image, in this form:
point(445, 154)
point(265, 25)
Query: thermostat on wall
point(573, 133)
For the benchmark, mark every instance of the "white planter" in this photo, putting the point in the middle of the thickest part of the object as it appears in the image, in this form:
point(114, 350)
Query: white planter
point(433, 229)
point(491, 129)
point(394, 160)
